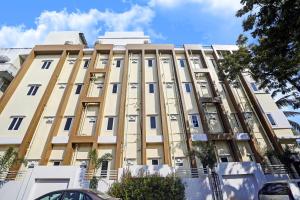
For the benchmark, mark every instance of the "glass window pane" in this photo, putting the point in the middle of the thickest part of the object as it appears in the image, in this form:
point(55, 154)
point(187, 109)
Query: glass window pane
point(152, 122)
point(110, 123)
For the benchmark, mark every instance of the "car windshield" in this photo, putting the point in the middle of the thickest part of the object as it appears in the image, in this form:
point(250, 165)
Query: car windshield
point(102, 195)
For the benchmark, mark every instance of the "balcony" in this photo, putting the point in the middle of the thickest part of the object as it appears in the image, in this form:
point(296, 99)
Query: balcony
point(8, 71)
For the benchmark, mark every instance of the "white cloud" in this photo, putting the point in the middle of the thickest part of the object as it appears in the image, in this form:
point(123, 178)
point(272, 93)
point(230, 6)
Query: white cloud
point(210, 5)
point(90, 23)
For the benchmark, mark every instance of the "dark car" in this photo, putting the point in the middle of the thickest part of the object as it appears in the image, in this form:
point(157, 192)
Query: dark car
point(280, 190)
point(73, 194)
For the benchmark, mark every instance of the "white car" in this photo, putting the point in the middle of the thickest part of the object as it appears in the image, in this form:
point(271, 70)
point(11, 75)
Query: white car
point(280, 190)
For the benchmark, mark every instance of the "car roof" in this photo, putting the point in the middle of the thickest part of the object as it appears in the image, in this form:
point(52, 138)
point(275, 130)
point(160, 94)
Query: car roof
point(284, 181)
point(83, 190)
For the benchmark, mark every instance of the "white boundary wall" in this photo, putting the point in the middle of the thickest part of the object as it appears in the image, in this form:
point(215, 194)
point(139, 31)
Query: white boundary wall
point(237, 181)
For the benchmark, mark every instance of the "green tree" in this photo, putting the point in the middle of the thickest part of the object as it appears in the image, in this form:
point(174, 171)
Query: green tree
point(9, 158)
point(274, 58)
point(150, 187)
point(205, 151)
point(96, 163)
point(287, 101)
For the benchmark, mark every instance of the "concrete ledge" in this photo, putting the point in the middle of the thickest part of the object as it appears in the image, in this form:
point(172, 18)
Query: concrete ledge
point(154, 138)
point(199, 137)
point(11, 140)
point(60, 140)
point(242, 136)
point(107, 140)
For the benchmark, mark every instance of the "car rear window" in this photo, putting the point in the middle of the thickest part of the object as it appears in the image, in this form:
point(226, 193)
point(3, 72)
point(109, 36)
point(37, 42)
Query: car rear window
point(275, 189)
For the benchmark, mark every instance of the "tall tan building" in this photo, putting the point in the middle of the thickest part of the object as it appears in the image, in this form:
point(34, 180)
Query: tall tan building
point(144, 103)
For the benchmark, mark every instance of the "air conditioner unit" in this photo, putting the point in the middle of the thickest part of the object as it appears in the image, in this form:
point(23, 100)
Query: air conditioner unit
point(71, 62)
point(131, 118)
point(165, 60)
point(31, 164)
point(134, 61)
point(133, 85)
point(169, 85)
point(173, 117)
point(101, 75)
point(49, 121)
point(103, 61)
point(83, 164)
point(100, 86)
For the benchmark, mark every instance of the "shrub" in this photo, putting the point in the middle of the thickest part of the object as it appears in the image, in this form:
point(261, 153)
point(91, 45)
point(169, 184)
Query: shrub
point(148, 187)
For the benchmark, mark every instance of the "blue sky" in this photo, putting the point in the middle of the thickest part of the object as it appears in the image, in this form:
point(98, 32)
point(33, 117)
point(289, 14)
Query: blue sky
point(26, 23)
point(166, 21)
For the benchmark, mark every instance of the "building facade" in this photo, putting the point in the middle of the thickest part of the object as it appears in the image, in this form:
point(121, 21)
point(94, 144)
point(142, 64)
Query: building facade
point(144, 103)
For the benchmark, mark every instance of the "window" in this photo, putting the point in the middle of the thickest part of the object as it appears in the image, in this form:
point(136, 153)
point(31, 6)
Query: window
point(110, 123)
point(187, 87)
point(154, 162)
point(86, 64)
point(152, 122)
point(70, 195)
point(224, 159)
point(15, 123)
point(271, 119)
point(78, 89)
point(275, 189)
point(195, 121)
point(178, 162)
point(151, 88)
point(68, 123)
point(56, 163)
point(181, 61)
point(104, 168)
point(118, 64)
point(52, 195)
point(46, 64)
point(254, 87)
point(150, 63)
point(115, 88)
point(32, 90)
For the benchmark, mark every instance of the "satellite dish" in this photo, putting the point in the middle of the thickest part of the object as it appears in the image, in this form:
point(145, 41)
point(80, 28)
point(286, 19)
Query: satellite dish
point(4, 59)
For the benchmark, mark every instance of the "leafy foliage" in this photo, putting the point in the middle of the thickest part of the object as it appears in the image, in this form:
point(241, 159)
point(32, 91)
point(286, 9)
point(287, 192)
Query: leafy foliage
point(150, 187)
point(274, 59)
point(96, 164)
point(206, 153)
point(285, 158)
point(9, 158)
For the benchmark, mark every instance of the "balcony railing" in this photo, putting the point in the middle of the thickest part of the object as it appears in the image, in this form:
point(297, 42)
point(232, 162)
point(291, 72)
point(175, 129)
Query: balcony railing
point(275, 169)
point(103, 174)
point(12, 175)
point(8, 68)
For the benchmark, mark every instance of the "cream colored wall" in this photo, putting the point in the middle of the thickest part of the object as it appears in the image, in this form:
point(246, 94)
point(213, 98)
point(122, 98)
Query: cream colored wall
point(113, 100)
point(222, 149)
point(88, 120)
point(15, 107)
point(101, 61)
point(177, 136)
point(245, 151)
point(103, 149)
point(96, 86)
point(43, 129)
point(154, 152)
point(132, 131)
point(57, 153)
point(80, 154)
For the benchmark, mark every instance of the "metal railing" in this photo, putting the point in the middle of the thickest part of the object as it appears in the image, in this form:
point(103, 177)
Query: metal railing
point(275, 169)
point(12, 175)
point(191, 172)
point(103, 174)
